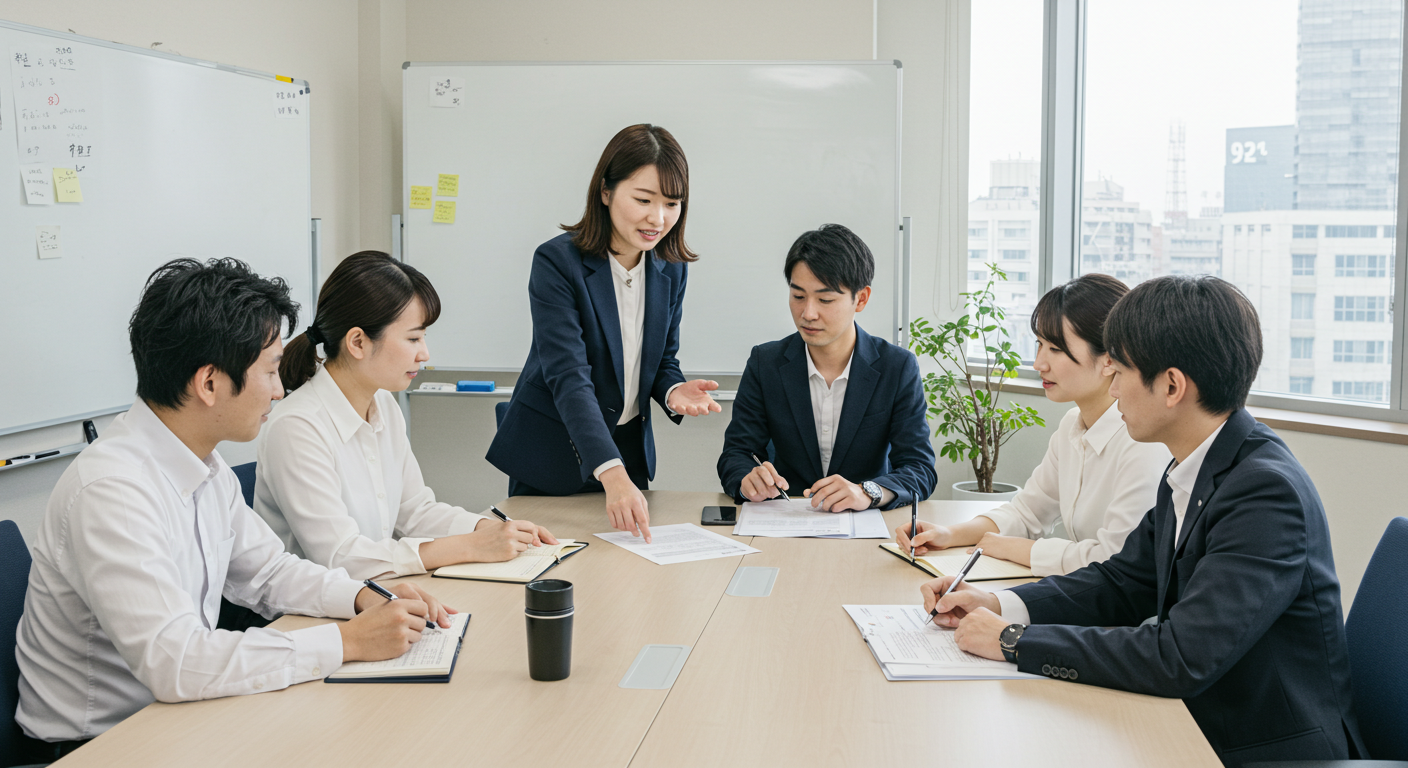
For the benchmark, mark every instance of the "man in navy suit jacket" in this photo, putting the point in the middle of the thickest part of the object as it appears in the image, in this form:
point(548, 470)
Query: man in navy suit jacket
point(1225, 595)
point(842, 410)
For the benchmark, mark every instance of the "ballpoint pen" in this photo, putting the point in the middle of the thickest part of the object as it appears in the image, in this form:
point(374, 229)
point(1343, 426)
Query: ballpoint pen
point(968, 566)
point(779, 489)
point(913, 528)
point(389, 595)
point(499, 514)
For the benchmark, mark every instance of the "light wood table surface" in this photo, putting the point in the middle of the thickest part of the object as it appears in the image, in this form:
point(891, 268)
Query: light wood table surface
point(781, 680)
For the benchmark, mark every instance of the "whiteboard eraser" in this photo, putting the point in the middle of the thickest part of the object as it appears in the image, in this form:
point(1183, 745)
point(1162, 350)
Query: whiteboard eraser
point(475, 386)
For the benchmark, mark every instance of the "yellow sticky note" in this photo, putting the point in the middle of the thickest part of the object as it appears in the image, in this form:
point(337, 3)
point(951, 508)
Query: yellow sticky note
point(66, 188)
point(444, 212)
point(420, 197)
point(449, 185)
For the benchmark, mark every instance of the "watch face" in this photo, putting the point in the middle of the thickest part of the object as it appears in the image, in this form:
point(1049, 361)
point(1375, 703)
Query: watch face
point(1010, 635)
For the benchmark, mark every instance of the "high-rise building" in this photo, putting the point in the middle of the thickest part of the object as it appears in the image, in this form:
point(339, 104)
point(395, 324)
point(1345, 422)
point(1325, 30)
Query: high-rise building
point(1259, 169)
point(1347, 104)
point(1116, 234)
point(1002, 230)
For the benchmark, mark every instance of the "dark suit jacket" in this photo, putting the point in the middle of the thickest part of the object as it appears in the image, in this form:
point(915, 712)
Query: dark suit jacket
point(567, 401)
point(1250, 632)
point(882, 435)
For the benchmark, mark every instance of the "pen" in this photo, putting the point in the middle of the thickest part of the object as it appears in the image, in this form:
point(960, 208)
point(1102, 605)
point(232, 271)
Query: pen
point(386, 593)
point(913, 527)
point(779, 490)
point(968, 566)
point(499, 514)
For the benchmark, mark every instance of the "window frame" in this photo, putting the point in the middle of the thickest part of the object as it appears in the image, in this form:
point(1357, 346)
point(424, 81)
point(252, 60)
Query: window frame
point(1059, 219)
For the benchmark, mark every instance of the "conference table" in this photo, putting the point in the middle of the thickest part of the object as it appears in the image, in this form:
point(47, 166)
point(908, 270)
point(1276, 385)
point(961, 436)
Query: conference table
point(782, 680)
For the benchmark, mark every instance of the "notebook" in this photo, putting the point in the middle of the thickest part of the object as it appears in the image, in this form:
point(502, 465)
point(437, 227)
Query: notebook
point(948, 562)
point(430, 660)
point(528, 566)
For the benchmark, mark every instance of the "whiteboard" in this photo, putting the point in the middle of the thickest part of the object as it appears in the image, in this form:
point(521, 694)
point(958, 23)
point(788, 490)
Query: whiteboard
point(774, 149)
point(188, 158)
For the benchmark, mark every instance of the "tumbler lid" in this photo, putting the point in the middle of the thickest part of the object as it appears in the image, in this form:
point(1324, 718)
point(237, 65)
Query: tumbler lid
point(548, 595)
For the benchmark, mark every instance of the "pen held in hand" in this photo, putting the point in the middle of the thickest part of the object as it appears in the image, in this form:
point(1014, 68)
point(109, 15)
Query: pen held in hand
point(779, 489)
point(963, 572)
point(389, 595)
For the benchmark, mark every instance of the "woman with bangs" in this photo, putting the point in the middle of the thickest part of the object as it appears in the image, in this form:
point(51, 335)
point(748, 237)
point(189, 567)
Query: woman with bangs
point(336, 478)
point(606, 297)
point(1095, 483)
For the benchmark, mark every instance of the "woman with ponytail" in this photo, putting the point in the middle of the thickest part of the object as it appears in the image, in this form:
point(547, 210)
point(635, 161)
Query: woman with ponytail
point(336, 478)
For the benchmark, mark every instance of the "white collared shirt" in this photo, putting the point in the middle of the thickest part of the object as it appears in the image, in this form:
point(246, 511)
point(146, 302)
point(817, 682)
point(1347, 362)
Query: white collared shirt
point(1184, 476)
point(138, 542)
point(827, 403)
point(1180, 481)
point(1091, 489)
point(345, 492)
point(630, 310)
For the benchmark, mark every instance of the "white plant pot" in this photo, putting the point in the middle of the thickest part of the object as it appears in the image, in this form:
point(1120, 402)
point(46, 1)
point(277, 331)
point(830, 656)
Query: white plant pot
point(968, 491)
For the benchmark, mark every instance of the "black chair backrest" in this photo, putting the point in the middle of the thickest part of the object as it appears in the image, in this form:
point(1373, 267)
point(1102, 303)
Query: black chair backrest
point(1377, 632)
point(14, 581)
point(245, 472)
point(499, 410)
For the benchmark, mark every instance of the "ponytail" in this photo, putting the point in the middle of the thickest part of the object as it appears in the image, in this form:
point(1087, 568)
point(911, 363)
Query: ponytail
point(368, 290)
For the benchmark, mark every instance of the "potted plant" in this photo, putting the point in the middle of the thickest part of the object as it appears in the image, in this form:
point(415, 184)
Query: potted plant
point(964, 396)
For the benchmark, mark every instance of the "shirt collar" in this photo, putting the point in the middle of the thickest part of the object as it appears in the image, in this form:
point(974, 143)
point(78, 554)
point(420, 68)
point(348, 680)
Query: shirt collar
point(845, 372)
point(181, 467)
point(1104, 428)
point(623, 273)
point(344, 417)
point(1185, 475)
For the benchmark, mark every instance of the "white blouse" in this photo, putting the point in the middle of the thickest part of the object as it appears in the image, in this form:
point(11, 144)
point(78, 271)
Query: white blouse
point(1091, 489)
point(345, 492)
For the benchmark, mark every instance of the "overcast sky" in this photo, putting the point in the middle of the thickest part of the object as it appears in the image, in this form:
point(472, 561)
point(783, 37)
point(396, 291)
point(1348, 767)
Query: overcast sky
point(1213, 65)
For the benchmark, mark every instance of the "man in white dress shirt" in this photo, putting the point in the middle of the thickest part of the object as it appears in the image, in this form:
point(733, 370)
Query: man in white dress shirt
point(147, 528)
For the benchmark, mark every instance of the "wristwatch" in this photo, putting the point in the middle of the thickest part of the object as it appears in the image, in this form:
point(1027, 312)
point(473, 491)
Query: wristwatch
point(1008, 640)
point(873, 491)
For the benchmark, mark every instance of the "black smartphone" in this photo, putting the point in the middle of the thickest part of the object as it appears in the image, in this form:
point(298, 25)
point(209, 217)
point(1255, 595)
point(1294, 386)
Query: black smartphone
point(719, 516)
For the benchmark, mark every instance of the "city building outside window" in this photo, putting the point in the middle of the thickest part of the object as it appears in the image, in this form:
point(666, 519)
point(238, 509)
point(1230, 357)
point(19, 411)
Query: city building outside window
point(1372, 391)
point(1302, 385)
point(1360, 309)
point(1303, 264)
point(1303, 348)
point(1361, 265)
point(1302, 306)
point(1358, 351)
point(1305, 231)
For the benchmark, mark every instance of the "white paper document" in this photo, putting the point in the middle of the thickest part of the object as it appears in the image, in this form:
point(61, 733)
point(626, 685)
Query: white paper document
point(682, 543)
point(433, 653)
point(780, 518)
point(910, 647)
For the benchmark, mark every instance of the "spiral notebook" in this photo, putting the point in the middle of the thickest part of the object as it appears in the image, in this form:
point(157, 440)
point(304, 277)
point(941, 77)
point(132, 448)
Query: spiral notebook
point(528, 566)
point(948, 562)
point(429, 660)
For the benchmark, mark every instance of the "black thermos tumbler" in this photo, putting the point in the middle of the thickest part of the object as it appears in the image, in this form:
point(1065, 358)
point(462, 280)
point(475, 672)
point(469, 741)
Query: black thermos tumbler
point(548, 606)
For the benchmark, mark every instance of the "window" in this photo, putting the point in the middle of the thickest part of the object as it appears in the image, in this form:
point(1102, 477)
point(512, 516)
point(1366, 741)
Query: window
point(1333, 230)
point(1302, 385)
point(1303, 264)
point(1238, 229)
point(977, 254)
point(1390, 230)
point(1302, 306)
point(1360, 309)
point(1014, 255)
point(1358, 351)
point(1303, 348)
point(1310, 231)
point(977, 276)
point(977, 231)
point(1372, 391)
point(1360, 266)
point(1018, 277)
point(1265, 229)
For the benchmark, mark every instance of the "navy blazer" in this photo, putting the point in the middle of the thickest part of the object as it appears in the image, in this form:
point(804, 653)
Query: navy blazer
point(567, 401)
point(1250, 632)
point(882, 435)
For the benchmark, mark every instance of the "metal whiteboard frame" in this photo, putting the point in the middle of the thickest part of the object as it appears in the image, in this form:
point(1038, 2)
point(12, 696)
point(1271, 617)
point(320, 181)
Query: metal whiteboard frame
point(900, 314)
point(312, 255)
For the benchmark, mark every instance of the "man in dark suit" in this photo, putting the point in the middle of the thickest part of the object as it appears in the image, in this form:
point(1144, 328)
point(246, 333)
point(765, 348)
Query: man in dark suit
point(843, 410)
point(1225, 595)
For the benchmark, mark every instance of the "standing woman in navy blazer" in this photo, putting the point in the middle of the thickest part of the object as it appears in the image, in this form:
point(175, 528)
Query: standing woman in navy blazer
point(606, 297)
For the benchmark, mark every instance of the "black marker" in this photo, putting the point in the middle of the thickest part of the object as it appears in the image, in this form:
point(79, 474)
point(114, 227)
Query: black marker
point(90, 432)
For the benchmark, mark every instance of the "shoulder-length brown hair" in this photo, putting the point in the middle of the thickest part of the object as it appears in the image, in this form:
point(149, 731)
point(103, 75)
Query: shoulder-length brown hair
point(629, 151)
